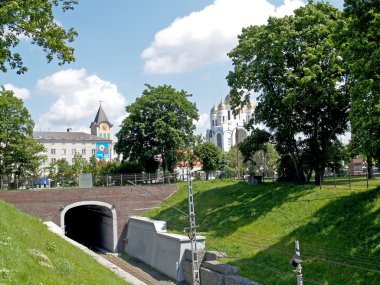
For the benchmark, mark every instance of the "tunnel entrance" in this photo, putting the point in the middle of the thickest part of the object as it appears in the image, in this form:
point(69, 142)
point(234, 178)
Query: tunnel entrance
point(91, 223)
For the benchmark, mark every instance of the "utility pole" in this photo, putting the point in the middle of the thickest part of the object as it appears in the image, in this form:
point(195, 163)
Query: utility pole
point(192, 231)
point(296, 262)
point(237, 155)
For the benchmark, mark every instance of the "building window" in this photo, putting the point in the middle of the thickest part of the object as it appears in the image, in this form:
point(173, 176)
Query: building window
point(108, 136)
point(229, 115)
point(73, 160)
point(83, 151)
point(219, 141)
point(63, 151)
point(93, 151)
point(63, 159)
point(53, 160)
point(52, 151)
point(73, 151)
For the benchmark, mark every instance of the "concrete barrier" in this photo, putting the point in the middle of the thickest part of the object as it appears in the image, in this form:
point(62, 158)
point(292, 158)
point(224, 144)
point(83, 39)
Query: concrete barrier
point(213, 272)
point(148, 241)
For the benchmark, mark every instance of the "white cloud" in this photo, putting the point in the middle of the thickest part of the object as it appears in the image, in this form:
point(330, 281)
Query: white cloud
point(21, 93)
point(206, 36)
point(77, 100)
point(202, 124)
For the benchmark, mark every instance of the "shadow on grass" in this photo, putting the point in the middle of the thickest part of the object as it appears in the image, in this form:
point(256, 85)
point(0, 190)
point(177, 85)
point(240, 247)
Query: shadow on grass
point(340, 245)
point(217, 212)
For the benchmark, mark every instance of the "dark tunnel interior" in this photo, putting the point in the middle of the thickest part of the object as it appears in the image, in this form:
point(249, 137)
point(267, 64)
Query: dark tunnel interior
point(85, 225)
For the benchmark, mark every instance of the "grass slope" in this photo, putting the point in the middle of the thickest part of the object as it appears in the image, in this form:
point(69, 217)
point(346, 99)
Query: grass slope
point(338, 228)
point(31, 254)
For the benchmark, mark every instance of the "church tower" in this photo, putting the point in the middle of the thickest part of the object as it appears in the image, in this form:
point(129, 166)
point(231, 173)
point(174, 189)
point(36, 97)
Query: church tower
point(226, 128)
point(101, 126)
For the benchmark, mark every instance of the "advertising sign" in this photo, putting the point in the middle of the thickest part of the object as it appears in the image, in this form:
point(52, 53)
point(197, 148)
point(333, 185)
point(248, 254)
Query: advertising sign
point(102, 150)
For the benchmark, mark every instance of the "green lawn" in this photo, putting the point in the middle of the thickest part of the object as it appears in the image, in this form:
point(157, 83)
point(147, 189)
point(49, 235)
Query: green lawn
point(338, 228)
point(31, 254)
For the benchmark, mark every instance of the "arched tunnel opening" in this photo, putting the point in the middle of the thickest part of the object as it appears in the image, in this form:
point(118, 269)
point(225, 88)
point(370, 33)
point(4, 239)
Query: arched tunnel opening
point(91, 225)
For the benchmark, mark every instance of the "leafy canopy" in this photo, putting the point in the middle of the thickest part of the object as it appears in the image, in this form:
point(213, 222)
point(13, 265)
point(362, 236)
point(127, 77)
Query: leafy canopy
point(360, 39)
point(158, 124)
point(33, 19)
point(209, 155)
point(19, 152)
point(294, 64)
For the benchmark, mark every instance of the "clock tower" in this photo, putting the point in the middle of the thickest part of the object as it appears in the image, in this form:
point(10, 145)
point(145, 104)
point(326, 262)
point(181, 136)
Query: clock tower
point(101, 126)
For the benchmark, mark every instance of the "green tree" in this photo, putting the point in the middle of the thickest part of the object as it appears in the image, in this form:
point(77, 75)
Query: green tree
point(260, 153)
point(209, 155)
point(34, 20)
point(158, 124)
point(80, 164)
point(27, 158)
point(295, 65)
point(360, 38)
point(19, 153)
point(62, 173)
point(234, 158)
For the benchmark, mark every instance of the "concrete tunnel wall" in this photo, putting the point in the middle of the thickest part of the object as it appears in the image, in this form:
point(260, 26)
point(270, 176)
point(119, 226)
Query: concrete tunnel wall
point(106, 225)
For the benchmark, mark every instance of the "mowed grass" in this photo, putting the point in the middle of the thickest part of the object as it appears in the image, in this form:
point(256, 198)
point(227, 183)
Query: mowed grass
point(31, 254)
point(338, 228)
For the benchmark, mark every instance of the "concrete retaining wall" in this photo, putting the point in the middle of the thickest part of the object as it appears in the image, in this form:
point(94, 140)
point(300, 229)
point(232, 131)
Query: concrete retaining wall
point(213, 272)
point(148, 241)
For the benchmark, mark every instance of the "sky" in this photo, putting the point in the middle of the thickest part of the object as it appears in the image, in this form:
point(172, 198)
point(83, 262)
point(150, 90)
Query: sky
point(124, 44)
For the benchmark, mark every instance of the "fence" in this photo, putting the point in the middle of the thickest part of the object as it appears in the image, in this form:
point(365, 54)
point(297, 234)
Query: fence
point(98, 181)
point(353, 182)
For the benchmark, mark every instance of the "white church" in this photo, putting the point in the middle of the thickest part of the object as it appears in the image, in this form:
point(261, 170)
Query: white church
point(227, 129)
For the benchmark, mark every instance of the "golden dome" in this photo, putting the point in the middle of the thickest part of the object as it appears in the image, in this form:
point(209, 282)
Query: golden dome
point(213, 110)
point(222, 106)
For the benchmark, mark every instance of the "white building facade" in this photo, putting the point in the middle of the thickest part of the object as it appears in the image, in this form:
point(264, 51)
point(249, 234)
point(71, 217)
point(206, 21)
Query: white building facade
point(65, 145)
point(227, 129)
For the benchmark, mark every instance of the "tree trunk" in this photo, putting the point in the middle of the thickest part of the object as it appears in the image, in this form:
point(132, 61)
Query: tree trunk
point(207, 175)
point(369, 167)
point(300, 175)
point(318, 177)
point(309, 175)
point(319, 173)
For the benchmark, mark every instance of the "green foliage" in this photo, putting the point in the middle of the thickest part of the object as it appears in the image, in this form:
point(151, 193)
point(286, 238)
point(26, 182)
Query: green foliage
point(233, 156)
point(31, 254)
point(295, 64)
point(19, 153)
point(209, 155)
point(62, 172)
point(158, 124)
point(226, 171)
point(34, 20)
point(257, 226)
point(256, 141)
point(360, 38)
point(117, 167)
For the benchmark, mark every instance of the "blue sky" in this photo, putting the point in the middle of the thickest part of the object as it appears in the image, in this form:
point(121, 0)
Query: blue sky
point(124, 44)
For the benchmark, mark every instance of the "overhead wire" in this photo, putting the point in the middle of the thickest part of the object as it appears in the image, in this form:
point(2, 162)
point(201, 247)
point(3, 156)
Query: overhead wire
point(308, 255)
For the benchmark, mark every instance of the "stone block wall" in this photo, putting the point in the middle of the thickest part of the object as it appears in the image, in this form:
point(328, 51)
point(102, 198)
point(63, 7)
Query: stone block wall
point(213, 272)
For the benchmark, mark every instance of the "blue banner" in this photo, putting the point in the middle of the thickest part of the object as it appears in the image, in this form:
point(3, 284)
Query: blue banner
point(102, 150)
